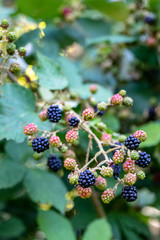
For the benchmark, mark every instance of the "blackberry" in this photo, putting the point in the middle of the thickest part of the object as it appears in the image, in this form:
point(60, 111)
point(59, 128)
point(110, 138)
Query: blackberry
point(144, 159)
point(116, 170)
point(40, 144)
point(150, 19)
point(86, 179)
point(73, 121)
point(131, 142)
point(54, 163)
point(54, 113)
point(152, 113)
point(129, 193)
point(101, 113)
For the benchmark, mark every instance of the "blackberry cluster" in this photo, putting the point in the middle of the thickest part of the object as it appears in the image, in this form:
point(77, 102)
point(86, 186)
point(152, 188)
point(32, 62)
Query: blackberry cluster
point(129, 193)
point(54, 163)
point(54, 113)
point(86, 179)
point(131, 142)
point(73, 121)
point(116, 170)
point(144, 159)
point(101, 113)
point(40, 144)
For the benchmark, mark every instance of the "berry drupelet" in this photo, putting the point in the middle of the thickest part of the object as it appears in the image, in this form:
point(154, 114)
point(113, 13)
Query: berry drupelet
point(54, 113)
point(129, 193)
point(40, 144)
point(144, 159)
point(132, 142)
point(54, 163)
point(116, 170)
point(73, 121)
point(86, 179)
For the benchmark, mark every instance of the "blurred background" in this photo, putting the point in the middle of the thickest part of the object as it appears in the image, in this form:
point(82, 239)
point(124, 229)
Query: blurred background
point(115, 44)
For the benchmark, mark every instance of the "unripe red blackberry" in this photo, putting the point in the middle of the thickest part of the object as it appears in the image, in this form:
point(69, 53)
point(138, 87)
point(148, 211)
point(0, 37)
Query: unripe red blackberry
point(67, 107)
point(141, 175)
point(107, 196)
point(151, 41)
point(63, 148)
point(54, 141)
point(141, 135)
point(130, 179)
point(106, 138)
point(4, 23)
point(101, 126)
point(84, 192)
point(30, 129)
point(116, 100)
point(118, 156)
point(122, 93)
point(11, 36)
point(93, 88)
point(129, 166)
point(71, 136)
point(101, 183)
point(88, 114)
point(14, 68)
point(134, 155)
point(106, 171)
point(11, 47)
point(43, 115)
point(1, 36)
point(69, 154)
point(22, 52)
point(127, 101)
point(73, 178)
point(70, 164)
point(102, 106)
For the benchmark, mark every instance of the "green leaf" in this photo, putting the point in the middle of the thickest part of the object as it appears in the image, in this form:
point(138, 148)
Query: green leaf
point(11, 228)
point(99, 229)
point(50, 74)
point(154, 5)
point(45, 187)
point(112, 122)
point(16, 112)
point(44, 9)
point(5, 12)
point(112, 39)
point(55, 226)
point(11, 173)
point(115, 10)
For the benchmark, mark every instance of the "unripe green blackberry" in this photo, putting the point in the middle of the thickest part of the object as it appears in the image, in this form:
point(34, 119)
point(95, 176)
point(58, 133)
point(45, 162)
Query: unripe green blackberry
point(102, 106)
point(15, 68)
point(127, 101)
point(141, 175)
point(134, 155)
point(107, 195)
point(63, 148)
point(22, 52)
point(122, 138)
point(67, 107)
point(1, 36)
point(101, 126)
point(11, 47)
point(130, 179)
point(37, 156)
point(76, 143)
point(11, 36)
point(4, 23)
point(73, 95)
point(122, 92)
point(106, 171)
point(73, 178)
point(101, 183)
point(93, 101)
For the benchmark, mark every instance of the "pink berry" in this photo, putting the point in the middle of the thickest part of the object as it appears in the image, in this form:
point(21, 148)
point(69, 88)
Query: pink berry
point(30, 129)
point(106, 138)
point(106, 171)
point(69, 154)
point(118, 156)
point(130, 179)
point(84, 192)
point(93, 88)
point(151, 41)
point(107, 195)
point(101, 183)
point(140, 135)
point(71, 136)
point(129, 166)
point(55, 141)
point(88, 114)
point(66, 11)
point(43, 115)
point(70, 163)
point(116, 99)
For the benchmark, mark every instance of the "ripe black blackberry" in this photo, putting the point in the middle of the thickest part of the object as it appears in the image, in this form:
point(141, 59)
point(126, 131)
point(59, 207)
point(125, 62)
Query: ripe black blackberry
point(150, 19)
point(131, 142)
point(144, 159)
point(54, 113)
point(129, 193)
point(54, 163)
point(116, 170)
point(73, 121)
point(86, 179)
point(40, 144)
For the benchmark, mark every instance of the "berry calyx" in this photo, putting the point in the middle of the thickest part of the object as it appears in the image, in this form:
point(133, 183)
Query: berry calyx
point(106, 171)
point(129, 166)
point(71, 136)
point(22, 52)
point(141, 175)
point(86, 179)
point(118, 156)
point(54, 113)
point(70, 164)
point(134, 155)
point(93, 88)
point(54, 141)
point(73, 121)
point(63, 148)
point(11, 36)
point(54, 163)
point(107, 196)
point(102, 106)
point(106, 138)
point(144, 159)
point(130, 179)
point(88, 114)
point(14, 68)
point(84, 192)
point(101, 183)
point(140, 135)
point(4, 23)
point(43, 115)
point(116, 99)
point(30, 129)
point(40, 144)
point(129, 193)
point(11, 47)
point(132, 142)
